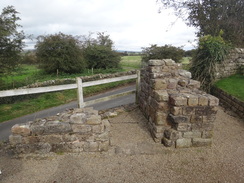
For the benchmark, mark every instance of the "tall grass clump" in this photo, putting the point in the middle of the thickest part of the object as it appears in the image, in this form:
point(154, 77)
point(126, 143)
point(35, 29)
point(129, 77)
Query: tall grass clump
point(211, 51)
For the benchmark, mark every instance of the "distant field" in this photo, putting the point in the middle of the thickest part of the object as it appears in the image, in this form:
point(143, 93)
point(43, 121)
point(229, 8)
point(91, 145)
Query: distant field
point(130, 62)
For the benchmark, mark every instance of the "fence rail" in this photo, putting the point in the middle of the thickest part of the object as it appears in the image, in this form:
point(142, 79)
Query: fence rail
point(79, 86)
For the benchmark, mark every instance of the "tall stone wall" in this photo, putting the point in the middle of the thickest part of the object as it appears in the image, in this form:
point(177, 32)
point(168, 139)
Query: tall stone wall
point(178, 113)
point(231, 64)
point(74, 130)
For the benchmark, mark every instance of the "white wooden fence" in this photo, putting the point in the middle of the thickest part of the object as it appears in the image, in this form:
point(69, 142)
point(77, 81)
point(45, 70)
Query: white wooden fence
point(79, 86)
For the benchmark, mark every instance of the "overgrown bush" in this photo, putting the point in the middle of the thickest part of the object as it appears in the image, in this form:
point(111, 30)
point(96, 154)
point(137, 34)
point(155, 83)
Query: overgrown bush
point(162, 52)
point(99, 53)
point(59, 53)
point(211, 51)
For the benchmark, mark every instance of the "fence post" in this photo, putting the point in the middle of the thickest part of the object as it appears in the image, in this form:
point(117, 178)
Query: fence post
point(138, 80)
point(80, 92)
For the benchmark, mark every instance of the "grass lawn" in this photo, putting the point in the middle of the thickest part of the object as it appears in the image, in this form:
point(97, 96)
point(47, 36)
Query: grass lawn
point(130, 62)
point(233, 85)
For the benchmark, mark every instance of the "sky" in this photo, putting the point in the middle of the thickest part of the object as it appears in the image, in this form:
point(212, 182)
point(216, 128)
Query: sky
point(131, 24)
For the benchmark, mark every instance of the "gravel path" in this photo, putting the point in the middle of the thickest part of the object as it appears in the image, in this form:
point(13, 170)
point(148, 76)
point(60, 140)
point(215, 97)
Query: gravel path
point(134, 157)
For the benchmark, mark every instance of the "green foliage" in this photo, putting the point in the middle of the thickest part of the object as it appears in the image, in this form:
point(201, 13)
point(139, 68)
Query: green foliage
point(29, 57)
point(99, 53)
point(212, 16)
point(211, 50)
point(11, 40)
point(59, 53)
point(162, 52)
point(101, 57)
point(233, 85)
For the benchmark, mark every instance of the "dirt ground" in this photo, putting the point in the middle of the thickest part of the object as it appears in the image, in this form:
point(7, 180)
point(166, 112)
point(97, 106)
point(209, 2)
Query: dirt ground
point(134, 157)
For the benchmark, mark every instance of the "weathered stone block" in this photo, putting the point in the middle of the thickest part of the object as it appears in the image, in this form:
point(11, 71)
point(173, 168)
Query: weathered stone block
point(196, 119)
point(192, 100)
point(188, 111)
point(52, 139)
point(161, 95)
point(193, 134)
point(183, 143)
point(155, 69)
point(176, 111)
point(56, 127)
point(172, 134)
point(179, 119)
point(183, 82)
point(156, 62)
point(107, 125)
point(98, 128)
point(183, 127)
point(102, 137)
point(178, 100)
point(162, 106)
point(213, 101)
point(169, 62)
point(78, 118)
point(193, 84)
point(172, 83)
point(159, 84)
point(168, 143)
point(202, 100)
point(161, 118)
point(21, 129)
point(185, 73)
point(93, 120)
point(93, 146)
point(199, 142)
point(15, 139)
point(158, 129)
point(31, 139)
point(79, 128)
point(103, 146)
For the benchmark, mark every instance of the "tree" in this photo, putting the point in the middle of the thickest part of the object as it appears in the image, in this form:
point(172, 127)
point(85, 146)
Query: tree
point(59, 52)
point(98, 52)
point(11, 40)
point(212, 16)
point(162, 52)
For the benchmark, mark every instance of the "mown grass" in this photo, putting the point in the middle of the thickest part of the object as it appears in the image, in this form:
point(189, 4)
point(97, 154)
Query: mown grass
point(130, 62)
point(233, 85)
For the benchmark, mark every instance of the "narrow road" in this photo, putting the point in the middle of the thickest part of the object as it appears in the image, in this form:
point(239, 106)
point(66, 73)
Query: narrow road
point(5, 127)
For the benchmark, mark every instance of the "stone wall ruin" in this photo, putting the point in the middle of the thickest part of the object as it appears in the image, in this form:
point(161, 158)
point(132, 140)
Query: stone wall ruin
point(178, 113)
point(75, 130)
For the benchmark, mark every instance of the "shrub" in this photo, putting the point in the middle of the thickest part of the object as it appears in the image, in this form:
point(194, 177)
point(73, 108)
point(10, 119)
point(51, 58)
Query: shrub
point(59, 52)
point(162, 52)
point(99, 53)
point(211, 50)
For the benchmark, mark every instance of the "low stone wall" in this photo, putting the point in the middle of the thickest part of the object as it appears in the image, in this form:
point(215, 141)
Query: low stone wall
point(232, 64)
point(179, 114)
point(76, 130)
point(229, 102)
point(73, 80)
